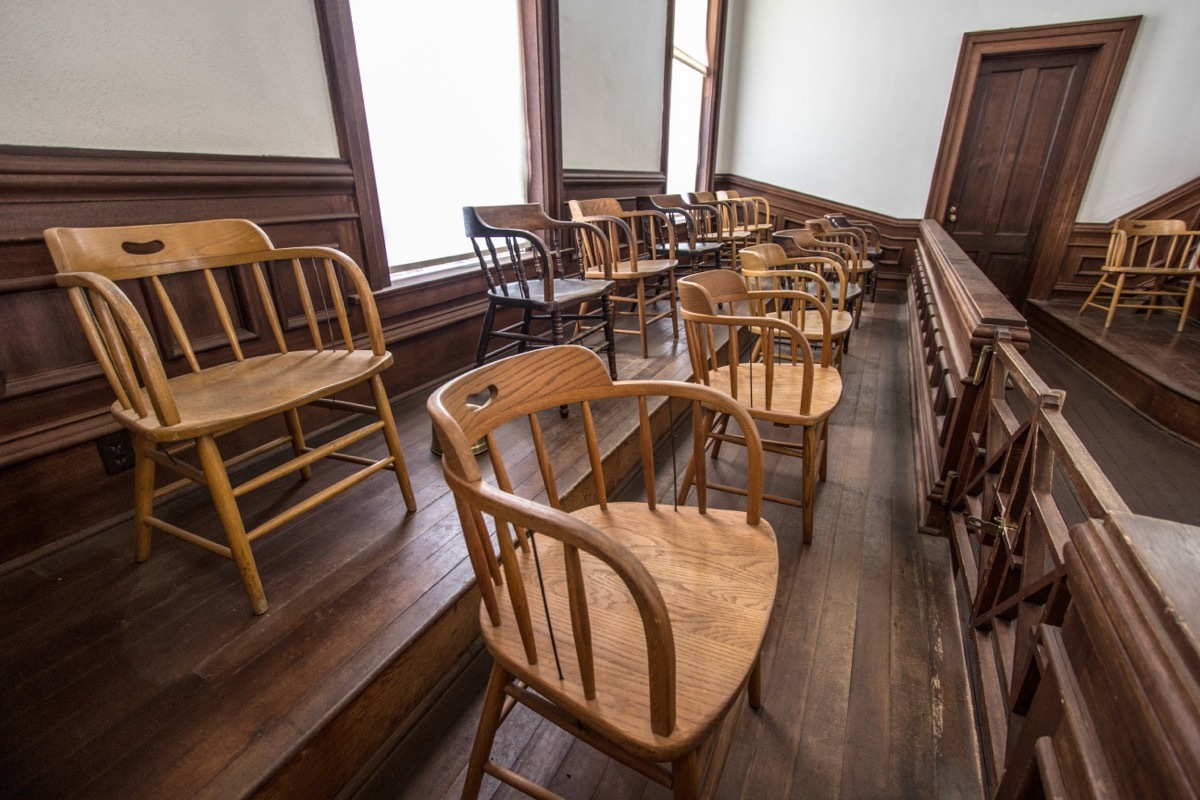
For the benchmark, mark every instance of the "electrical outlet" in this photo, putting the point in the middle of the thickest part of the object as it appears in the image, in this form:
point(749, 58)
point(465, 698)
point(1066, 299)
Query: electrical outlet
point(116, 452)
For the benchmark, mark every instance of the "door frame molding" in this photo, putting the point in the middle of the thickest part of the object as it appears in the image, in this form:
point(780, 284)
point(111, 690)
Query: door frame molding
point(1111, 40)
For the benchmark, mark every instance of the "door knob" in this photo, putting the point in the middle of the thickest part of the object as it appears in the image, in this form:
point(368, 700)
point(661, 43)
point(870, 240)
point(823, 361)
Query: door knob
point(953, 214)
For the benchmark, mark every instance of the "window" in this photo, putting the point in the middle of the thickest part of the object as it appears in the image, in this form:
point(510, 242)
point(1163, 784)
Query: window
point(688, 70)
point(443, 89)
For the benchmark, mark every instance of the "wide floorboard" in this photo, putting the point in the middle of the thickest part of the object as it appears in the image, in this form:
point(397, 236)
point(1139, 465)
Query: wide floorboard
point(865, 689)
point(1152, 468)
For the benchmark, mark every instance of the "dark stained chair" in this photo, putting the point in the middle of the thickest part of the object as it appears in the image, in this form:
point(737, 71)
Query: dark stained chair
point(691, 223)
point(846, 285)
point(524, 255)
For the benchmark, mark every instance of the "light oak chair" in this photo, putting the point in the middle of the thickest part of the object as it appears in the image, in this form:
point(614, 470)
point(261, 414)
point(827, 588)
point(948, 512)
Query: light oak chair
point(1150, 261)
point(780, 383)
point(634, 626)
point(525, 255)
point(726, 230)
point(766, 267)
point(639, 249)
point(752, 213)
point(212, 329)
point(802, 242)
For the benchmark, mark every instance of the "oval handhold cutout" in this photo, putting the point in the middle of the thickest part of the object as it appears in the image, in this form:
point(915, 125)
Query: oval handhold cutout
point(143, 248)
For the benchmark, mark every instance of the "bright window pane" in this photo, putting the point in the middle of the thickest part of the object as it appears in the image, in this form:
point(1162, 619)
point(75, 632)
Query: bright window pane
point(443, 90)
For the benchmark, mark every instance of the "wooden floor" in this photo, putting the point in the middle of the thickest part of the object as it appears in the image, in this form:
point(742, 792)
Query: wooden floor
point(154, 680)
point(1144, 360)
point(1153, 469)
point(866, 693)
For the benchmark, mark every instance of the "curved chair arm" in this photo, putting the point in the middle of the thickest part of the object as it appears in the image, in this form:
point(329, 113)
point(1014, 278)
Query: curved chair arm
point(108, 327)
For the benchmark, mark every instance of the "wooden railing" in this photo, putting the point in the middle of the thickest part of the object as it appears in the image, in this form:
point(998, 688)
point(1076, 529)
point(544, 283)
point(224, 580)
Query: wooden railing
point(1079, 627)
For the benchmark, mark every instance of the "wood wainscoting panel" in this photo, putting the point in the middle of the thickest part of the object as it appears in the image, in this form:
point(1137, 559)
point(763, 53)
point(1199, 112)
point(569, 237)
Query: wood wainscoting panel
point(55, 400)
point(624, 185)
point(791, 208)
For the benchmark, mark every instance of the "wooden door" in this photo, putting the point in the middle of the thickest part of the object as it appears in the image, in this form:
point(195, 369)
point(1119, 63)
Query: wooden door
point(1017, 132)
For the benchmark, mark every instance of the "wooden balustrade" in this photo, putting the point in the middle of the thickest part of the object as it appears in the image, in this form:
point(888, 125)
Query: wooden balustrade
point(1079, 616)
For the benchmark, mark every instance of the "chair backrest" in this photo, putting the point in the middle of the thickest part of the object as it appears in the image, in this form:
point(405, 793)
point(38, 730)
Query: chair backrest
point(206, 286)
point(474, 406)
point(701, 220)
point(798, 242)
point(517, 244)
point(825, 230)
point(766, 267)
point(718, 302)
point(633, 236)
point(869, 231)
point(1151, 244)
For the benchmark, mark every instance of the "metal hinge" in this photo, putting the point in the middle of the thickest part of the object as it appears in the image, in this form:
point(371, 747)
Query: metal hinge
point(994, 528)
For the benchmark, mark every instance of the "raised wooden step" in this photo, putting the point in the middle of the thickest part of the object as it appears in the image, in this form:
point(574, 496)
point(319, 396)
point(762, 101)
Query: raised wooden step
point(155, 680)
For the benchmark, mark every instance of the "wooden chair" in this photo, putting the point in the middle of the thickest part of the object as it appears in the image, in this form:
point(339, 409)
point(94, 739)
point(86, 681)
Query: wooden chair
point(634, 626)
point(801, 243)
point(766, 267)
point(219, 348)
point(1154, 260)
point(873, 237)
point(856, 238)
point(640, 249)
point(691, 223)
point(753, 213)
point(793, 392)
point(524, 255)
point(726, 231)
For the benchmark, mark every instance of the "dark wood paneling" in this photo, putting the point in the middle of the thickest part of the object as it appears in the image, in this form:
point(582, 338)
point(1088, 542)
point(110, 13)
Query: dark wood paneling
point(56, 402)
point(790, 209)
point(624, 185)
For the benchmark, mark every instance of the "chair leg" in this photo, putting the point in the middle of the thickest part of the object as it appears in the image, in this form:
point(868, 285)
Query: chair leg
point(143, 497)
point(1187, 304)
point(720, 424)
point(674, 304)
point(1112, 309)
point(606, 308)
point(231, 520)
point(1100, 284)
point(685, 777)
point(754, 689)
point(384, 409)
point(485, 334)
point(292, 417)
point(824, 450)
point(641, 314)
point(485, 734)
point(809, 479)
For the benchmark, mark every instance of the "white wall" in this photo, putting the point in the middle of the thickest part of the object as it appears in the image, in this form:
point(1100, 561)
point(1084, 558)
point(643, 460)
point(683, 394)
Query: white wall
point(900, 60)
point(612, 55)
point(207, 76)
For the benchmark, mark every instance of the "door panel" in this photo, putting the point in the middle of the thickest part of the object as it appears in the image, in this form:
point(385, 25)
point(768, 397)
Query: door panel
point(1016, 133)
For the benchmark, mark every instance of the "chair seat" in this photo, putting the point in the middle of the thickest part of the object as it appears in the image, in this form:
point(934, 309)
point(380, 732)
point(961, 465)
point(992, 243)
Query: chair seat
point(567, 291)
point(855, 291)
point(239, 392)
point(725, 237)
point(840, 323)
point(723, 569)
point(685, 248)
point(622, 271)
point(785, 396)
